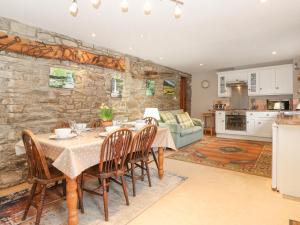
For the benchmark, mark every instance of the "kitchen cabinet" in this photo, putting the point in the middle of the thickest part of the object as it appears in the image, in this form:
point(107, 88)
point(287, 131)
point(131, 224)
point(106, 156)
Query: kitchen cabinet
point(267, 81)
point(223, 91)
point(284, 80)
point(238, 75)
point(253, 83)
point(259, 124)
point(220, 122)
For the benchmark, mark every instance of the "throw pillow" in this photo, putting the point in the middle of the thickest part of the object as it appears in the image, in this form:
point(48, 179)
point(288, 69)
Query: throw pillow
point(185, 120)
point(167, 117)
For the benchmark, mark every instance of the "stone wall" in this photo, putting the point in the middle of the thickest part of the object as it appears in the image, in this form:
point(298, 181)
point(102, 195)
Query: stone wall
point(26, 100)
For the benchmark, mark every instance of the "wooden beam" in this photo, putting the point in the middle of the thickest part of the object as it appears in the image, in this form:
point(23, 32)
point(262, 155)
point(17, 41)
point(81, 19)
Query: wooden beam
point(12, 43)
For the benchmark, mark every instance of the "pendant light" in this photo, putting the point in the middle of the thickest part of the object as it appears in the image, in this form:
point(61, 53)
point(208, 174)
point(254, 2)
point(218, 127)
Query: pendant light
point(74, 8)
point(124, 6)
point(177, 12)
point(96, 3)
point(147, 8)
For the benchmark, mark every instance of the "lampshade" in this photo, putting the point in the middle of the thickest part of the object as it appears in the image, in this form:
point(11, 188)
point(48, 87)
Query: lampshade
point(298, 106)
point(152, 112)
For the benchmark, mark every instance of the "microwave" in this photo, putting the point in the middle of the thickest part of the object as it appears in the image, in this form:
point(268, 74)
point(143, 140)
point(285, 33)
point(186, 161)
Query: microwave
point(278, 104)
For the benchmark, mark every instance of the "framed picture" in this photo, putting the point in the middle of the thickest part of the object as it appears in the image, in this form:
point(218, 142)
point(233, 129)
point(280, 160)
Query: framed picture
point(150, 87)
point(169, 87)
point(117, 87)
point(61, 78)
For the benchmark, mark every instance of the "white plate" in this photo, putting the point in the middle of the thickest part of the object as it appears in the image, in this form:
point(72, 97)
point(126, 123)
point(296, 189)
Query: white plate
point(53, 136)
point(103, 134)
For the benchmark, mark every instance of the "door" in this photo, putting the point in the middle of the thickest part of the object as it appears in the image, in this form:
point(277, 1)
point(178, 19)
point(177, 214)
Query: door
point(253, 85)
point(267, 82)
point(263, 127)
point(284, 80)
point(183, 85)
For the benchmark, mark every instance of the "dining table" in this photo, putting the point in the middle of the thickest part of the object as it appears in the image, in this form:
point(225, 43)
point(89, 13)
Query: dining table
point(73, 156)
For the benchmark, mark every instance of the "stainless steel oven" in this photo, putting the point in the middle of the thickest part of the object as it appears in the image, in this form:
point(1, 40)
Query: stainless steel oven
point(235, 120)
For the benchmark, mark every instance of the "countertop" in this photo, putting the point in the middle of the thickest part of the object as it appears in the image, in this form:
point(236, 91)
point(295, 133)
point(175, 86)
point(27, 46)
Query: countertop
point(288, 120)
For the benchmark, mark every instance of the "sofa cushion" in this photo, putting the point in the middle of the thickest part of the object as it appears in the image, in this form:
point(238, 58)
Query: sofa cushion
point(167, 117)
point(185, 120)
point(190, 130)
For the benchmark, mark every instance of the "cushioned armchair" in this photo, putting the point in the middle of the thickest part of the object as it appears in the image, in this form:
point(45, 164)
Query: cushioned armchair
point(182, 136)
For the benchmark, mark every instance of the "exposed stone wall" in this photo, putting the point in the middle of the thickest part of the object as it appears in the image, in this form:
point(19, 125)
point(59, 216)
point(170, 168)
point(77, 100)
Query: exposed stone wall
point(26, 100)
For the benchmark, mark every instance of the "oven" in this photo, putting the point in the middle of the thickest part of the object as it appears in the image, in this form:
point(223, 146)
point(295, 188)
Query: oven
point(235, 120)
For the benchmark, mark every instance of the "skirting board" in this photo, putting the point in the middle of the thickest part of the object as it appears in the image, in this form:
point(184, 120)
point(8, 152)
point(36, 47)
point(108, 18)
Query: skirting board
point(243, 137)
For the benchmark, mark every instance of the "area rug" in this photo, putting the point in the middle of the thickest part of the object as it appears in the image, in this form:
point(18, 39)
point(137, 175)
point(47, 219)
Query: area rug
point(11, 209)
point(251, 157)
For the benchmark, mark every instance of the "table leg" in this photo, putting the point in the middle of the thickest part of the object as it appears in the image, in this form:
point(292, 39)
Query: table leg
point(160, 162)
point(72, 201)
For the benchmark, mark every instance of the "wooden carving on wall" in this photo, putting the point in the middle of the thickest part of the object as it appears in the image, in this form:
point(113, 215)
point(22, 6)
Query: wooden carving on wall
point(12, 43)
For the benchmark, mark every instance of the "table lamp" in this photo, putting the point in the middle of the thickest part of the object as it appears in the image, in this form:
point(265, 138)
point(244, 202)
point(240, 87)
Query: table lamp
point(298, 107)
point(278, 106)
point(152, 112)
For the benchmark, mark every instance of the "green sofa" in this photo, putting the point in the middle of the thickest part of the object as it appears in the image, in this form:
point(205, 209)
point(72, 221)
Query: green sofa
point(183, 137)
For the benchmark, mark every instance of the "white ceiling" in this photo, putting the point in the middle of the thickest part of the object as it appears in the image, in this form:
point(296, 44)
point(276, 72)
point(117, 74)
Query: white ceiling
point(217, 33)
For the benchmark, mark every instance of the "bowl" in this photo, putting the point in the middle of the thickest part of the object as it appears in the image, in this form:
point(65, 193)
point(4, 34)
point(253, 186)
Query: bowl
point(111, 128)
point(62, 132)
point(80, 126)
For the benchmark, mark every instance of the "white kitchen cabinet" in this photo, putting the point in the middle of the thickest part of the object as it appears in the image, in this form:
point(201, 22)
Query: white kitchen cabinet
point(253, 83)
point(223, 91)
point(267, 82)
point(220, 122)
point(235, 76)
point(284, 80)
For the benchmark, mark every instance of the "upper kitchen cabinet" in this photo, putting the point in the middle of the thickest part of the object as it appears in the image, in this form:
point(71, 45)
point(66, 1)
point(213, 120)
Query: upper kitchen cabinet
point(223, 90)
point(253, 83)
point(267, 81)
point(284, 80)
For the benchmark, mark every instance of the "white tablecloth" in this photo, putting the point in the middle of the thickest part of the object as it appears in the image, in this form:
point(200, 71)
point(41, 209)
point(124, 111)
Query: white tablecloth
point(72, 156)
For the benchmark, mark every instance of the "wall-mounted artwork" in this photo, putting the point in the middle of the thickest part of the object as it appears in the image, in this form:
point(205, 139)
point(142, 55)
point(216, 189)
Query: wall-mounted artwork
point(61, 78)
point(169, 87)
point(150, 87)
point(116, 87)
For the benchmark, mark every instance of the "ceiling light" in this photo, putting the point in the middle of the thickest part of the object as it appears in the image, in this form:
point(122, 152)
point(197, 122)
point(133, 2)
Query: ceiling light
point(263, 1)
point(147, 8)
point(74, 8)
point(130, 48)
point(274, 53)
point(96, 3)
point(124, 6)
point(201, 64)
point(93, 35)
point(141, 36)
point(177, 12)
point(161, 58)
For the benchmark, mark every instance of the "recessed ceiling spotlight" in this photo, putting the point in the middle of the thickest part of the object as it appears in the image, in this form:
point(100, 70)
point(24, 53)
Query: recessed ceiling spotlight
point(147, 8)
point(124, 6)
point(141, 36)
point(274, 53)
point(161, 58)
point(93, 35)
point(130, 48)
point(201, 64)
point(96, 3)
point(263, 1)
point(74, 8)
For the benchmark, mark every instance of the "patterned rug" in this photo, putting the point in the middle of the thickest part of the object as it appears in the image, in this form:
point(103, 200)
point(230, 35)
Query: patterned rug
point(11, 207)
point(251, 157)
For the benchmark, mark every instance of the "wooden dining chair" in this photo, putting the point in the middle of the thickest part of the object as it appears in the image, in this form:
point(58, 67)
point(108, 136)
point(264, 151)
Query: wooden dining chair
point(153, 121)
point(139, 153)
point(39, 175)
point(61, 124)
point(95, 123)
point(113, 153)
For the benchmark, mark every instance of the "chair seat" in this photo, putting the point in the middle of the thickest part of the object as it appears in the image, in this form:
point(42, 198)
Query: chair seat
point(94, 171)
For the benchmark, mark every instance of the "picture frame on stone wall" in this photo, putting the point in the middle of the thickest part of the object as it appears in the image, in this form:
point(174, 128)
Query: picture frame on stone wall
point(150, 87)
point(169, 87)
point(117, 87)
point(61, 78)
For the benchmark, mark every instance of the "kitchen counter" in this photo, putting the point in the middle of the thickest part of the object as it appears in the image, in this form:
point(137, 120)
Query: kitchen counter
point(288, 120)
